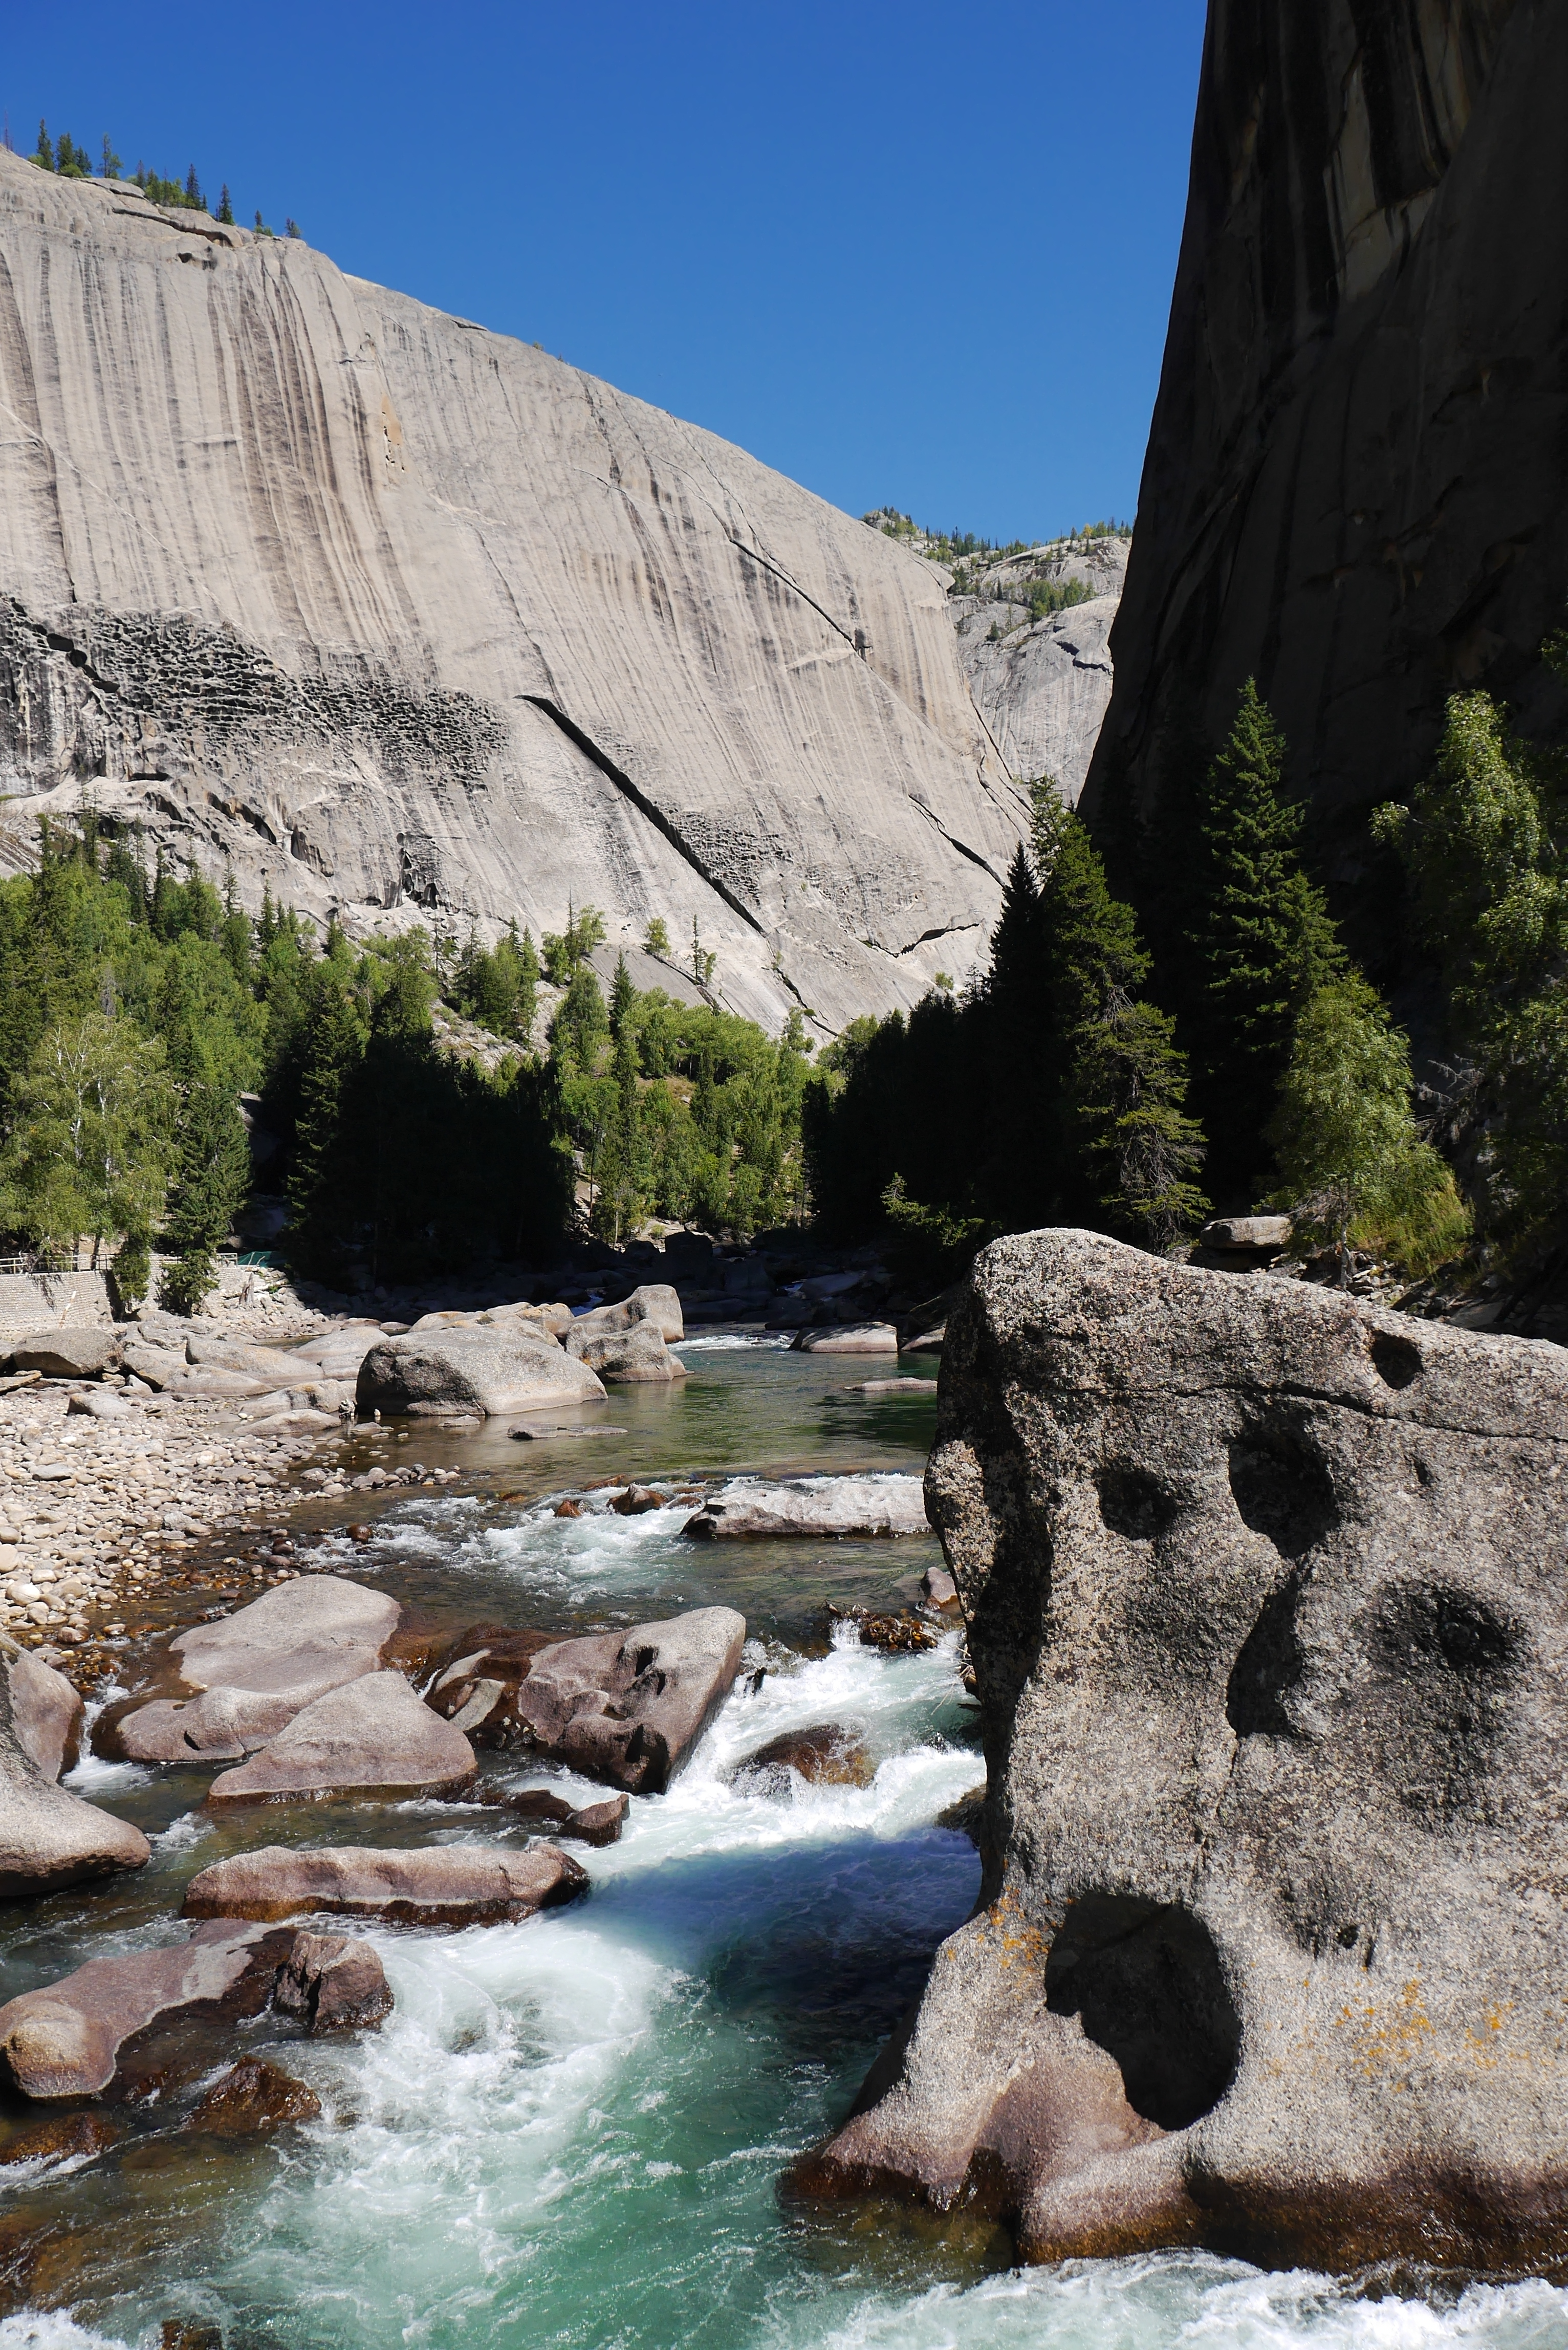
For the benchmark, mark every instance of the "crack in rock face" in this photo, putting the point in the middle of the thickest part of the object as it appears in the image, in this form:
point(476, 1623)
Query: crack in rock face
point(1266, 1601)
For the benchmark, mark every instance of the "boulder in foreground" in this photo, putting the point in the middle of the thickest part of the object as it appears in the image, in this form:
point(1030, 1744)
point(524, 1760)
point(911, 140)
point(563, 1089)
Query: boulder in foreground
point(370, 1738)
point(1267, 1596)
point(469, 1373)
point(446, 1885)
point(629, 1707)
point(48, 1837)
point(258, 1669)
point(861, 1506)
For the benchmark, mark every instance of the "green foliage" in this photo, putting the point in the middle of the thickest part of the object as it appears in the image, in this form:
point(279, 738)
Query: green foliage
point(564, 954)
point(1353, 1164)
point(225, 206)
point(656, 940)
point(500, 989)
point(89, 1136)
point(1055, 1094)
point(931, 1246)
point(1485, 841)
point(43, 154)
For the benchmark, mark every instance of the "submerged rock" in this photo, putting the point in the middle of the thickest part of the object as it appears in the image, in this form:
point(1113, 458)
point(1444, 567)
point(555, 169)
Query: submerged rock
point(629, 1707)
point(66, 2041)
point(253, 2097)
point(854, 1338)
point(372, 1737)
point(827, 1754)
point(857, 1506)
point(461, 1373)
point(1268, 1603)
point(48, 1837)
point(258, 1669)
point(445, 1885)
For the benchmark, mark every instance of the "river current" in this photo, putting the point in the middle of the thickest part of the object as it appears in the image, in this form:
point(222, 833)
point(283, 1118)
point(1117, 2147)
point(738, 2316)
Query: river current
point(571, 2131)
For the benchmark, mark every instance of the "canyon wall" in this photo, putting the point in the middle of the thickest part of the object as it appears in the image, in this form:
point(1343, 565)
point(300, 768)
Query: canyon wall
point(1355, 484)
point(405, 619)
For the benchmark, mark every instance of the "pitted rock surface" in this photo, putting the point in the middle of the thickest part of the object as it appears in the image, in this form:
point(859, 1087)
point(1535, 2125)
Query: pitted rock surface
point(1267, 1596)
point(629, 1707)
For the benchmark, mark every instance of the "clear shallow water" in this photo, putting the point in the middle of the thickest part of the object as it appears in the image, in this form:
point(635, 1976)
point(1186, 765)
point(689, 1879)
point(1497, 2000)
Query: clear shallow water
point(571, 2132)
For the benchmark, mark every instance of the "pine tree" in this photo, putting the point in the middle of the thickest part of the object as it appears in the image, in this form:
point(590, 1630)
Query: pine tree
point(112, 165)
point(225, 206)
point(322, 1212)
point(44, 153)
point(193, 190)
point(623, 1000)
point(656, 940)
point(1259, 939)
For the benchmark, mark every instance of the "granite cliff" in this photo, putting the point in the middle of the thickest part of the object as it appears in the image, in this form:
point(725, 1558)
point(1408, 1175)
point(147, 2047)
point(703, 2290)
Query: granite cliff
point(1356, 478)
point(405, 618)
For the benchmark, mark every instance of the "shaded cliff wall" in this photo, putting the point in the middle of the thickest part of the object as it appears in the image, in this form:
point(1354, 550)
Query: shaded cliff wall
point(1355, 483)
point(404, 618)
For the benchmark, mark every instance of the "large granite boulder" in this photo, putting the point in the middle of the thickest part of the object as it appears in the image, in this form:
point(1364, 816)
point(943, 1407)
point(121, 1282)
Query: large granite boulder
point(851, 1338)
point(257, 1670)
point(49, 1837)
point(444, 1884)
point(1267, 1595)
point(371, 1737)
point(629, 1707)
point(468, 1373)
point(818, 1506)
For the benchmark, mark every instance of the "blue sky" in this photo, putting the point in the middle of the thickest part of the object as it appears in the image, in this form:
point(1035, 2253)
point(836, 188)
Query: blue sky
point(918, 253)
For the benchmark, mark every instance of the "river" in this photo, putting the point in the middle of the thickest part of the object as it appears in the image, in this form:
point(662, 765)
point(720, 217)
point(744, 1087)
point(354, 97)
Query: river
point(571, 2131)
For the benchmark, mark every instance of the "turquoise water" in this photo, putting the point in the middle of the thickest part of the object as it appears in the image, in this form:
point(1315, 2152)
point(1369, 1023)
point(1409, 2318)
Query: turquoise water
point(572, 2131)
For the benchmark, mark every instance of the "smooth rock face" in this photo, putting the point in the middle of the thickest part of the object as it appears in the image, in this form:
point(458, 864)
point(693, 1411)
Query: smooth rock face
point(372, 1737)
point(258, 1667)
point(859, 1506)
point(448, 1885)
point(855, 1339)
point(464, 1372)
point(1354, 480)
point(69, 1353)
point(46, 1710)
point(431, 620)
point(638, 1354)
point(1042, 686)
point(629, 1707)
point(48, 1837)
point(64, 2041)
point(1265, 1592)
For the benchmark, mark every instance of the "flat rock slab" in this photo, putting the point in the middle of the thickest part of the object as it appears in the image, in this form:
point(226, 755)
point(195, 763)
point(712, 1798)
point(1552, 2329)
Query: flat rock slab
point(370, 1738)
point(629, 1707)
point(66, 2041)
point(448, 1885)
point(1267, 1596)
point(862, 1507)
point(461, 1373)
point(852, 1338)
point(69, 1353)
point(534, 1432)
point(258, 1667)
point(893, 1386)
